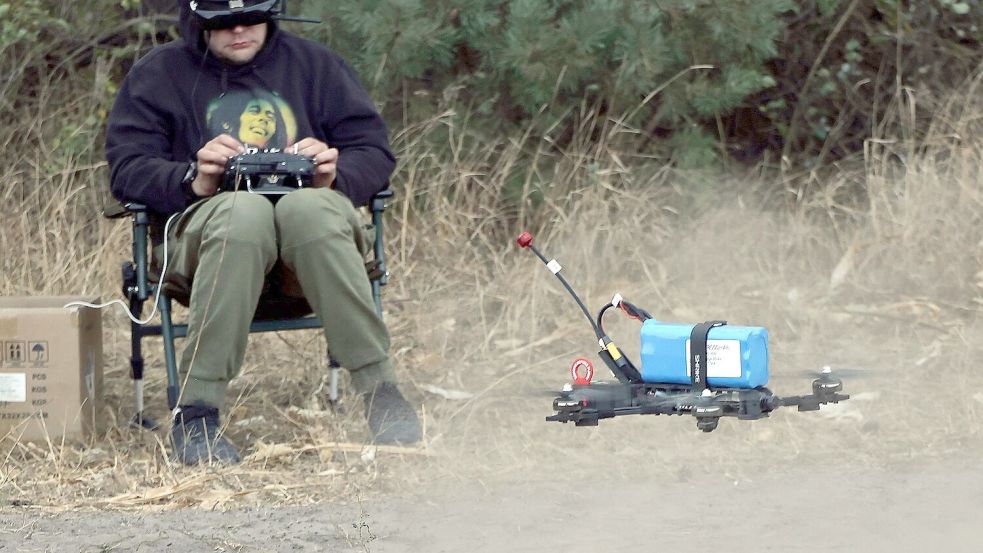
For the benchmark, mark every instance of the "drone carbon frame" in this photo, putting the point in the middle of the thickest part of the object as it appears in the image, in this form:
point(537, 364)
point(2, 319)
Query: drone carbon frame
point(586, 404)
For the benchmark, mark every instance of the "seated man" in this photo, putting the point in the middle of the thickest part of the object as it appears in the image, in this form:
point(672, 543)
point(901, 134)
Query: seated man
point(235, 80)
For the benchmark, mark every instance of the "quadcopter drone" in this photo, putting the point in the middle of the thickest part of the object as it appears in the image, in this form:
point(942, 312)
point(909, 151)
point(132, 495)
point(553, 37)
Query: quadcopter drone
point(708, 370)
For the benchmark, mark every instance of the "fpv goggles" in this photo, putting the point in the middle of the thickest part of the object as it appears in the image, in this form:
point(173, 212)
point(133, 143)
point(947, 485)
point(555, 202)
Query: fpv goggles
point(225, 14)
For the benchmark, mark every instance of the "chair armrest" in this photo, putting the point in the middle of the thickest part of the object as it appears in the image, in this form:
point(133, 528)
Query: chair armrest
point(119, 210)
point(378, 201)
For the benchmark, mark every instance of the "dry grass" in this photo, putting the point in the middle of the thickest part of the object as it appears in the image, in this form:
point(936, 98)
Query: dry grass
point(889, 282)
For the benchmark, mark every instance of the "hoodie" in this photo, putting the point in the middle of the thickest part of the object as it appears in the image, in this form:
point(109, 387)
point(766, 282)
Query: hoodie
point(180, 96)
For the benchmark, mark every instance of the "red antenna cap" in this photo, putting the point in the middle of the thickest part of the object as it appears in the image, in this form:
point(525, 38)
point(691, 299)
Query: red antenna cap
point(524, 240)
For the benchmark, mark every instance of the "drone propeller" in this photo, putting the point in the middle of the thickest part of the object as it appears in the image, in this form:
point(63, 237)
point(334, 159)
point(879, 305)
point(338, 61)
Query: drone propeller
point(849, 373)
point(544, 392)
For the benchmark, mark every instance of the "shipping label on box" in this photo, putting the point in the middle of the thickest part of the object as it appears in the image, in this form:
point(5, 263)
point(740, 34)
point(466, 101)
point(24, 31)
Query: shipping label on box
point(50, 368)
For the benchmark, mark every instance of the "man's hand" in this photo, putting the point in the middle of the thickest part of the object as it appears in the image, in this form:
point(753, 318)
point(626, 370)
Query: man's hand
point(213, 157)
point(325, 159)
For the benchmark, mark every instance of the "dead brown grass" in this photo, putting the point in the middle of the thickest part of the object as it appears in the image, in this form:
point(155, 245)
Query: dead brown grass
point(887, 281)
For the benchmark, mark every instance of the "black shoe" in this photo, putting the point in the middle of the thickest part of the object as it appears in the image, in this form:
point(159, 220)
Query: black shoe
point(392, 419)
point(196, 440)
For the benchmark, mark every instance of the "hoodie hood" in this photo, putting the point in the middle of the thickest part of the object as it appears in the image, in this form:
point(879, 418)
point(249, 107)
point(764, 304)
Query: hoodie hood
point(189, 29)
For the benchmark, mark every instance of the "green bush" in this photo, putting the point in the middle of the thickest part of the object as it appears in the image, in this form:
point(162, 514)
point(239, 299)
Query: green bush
point(806, 80)
point(848, 68)
point(25, 28)
point(58, 62)
point(698, 80)
point(655, 66)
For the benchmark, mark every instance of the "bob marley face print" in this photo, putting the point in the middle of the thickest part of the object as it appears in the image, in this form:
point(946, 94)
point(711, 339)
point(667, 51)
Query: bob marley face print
point(255, 117)
point(257, 123)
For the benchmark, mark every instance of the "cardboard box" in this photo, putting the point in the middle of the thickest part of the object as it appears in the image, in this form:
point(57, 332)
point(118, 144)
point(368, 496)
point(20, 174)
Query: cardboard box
point(50, 368)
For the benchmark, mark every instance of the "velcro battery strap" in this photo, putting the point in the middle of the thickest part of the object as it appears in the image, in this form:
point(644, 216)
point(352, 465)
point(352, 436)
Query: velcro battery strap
point(698, 353)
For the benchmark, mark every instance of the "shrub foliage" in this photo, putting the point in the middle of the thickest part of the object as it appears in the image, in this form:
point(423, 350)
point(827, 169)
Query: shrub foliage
point(808, 80)
point(698, 80)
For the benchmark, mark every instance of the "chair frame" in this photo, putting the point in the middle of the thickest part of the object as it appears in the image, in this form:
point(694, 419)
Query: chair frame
point(138, 288)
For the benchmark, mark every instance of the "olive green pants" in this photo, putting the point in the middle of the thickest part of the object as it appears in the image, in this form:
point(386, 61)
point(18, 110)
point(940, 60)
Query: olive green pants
point(226, 245)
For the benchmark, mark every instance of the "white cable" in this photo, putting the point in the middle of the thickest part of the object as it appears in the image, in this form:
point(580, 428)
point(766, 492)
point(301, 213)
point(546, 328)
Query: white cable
point(160, 284)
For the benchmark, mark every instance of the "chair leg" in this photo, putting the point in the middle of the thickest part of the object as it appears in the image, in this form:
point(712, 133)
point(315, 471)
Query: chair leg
point(377, 296)
point(136, 368)
point(170, 357)
point(333, 368)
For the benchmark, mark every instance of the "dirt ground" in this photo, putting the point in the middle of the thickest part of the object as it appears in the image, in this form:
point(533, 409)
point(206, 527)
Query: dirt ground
point(896, 468)
point(828, 507)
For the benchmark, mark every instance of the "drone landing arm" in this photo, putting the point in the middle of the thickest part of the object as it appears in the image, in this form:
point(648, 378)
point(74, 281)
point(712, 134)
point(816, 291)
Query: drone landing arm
point(811, 402)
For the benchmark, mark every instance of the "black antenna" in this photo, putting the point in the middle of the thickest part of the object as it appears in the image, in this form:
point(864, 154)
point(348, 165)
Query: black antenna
point(620, 366)
point(283, 17)
point(525, 241)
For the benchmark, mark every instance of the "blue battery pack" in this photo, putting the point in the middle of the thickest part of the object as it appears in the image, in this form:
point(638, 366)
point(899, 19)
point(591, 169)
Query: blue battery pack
point(737, 356)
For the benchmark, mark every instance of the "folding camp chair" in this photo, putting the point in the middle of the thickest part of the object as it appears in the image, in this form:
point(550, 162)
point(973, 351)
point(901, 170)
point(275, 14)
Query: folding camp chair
point(140, 284)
